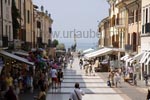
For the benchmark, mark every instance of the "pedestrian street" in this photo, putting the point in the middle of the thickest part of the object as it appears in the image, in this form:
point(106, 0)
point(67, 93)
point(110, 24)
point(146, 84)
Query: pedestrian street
point(94, 86)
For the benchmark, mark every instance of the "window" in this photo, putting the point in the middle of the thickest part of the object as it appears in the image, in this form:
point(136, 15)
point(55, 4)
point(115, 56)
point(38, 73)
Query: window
point(28, 16)
point(139, 14)
point(146, 15)
point(9, 32)
point(6, 30)
point(143, 16)
point(128, 38)
point(117, 19)
point(131, 17)
point(136, 18)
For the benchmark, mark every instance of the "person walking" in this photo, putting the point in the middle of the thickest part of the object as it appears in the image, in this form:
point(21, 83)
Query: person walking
point(10, 95)
point(54, 77)
point(146, 78)
point(81, 63)
point(71, 62)
point(117, 79)
point(77, 93)
point(41, 95)
point(60, 77)
point(134, 79)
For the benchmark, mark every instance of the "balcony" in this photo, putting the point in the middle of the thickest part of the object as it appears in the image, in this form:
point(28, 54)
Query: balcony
point(122, 3)
point(120, 23)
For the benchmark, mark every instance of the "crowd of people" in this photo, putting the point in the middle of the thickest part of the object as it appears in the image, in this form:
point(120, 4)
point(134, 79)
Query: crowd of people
point(114, 78)
point(12, 84)
point(89, 66)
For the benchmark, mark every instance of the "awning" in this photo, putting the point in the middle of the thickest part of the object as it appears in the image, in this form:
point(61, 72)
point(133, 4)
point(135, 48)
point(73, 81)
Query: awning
point(148, 60)
point(21, 53)
point(88, 50)
point(138, 56)
point(144, 57)
point(124, 57)
point(16, 57)
point(129, 59)
point(97, 53)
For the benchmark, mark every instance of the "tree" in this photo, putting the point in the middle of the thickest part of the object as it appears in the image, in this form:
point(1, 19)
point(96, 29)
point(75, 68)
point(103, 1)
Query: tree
point(73, 47)
point(55, 42)
point(60, 46)
point(15, 17)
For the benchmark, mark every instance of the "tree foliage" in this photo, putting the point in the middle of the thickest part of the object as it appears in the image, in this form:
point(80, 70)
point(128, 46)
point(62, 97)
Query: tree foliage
point(60, 46)
point(15, 17)
point(73, 47)
point(55, 42)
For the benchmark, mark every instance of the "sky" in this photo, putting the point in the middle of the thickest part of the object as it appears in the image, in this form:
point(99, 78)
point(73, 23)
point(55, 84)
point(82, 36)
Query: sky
point(80, 17)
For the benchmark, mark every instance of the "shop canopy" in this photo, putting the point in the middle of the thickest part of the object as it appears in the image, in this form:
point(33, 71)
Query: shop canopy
point(97, 53)
point(21, 53)
point(16, 57)
point(148, 61)
point(138, 56)
point(145, 56)
point(124, 57)
point(88, 50)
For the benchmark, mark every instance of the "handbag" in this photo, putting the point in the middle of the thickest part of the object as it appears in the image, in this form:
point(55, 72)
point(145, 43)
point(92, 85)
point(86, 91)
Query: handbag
point(108, 83)
point(77, 95)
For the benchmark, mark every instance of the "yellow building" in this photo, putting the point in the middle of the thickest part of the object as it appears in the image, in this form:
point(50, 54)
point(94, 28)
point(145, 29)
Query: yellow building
point(43, 27)
point(104, 27)
point(113, 14)
point(125, 24)
point(29, 22)
point(25, 33)
point(131, 11)
point(35, 26)
point(6, 29)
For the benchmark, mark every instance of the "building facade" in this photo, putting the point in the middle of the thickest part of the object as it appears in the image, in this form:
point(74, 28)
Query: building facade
point(43, 27)
point(5, 23)
point(104, 27)
point(145, 36)
point(113, 14)
point(129, 19)
point(29, 22)
point(20, 4)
